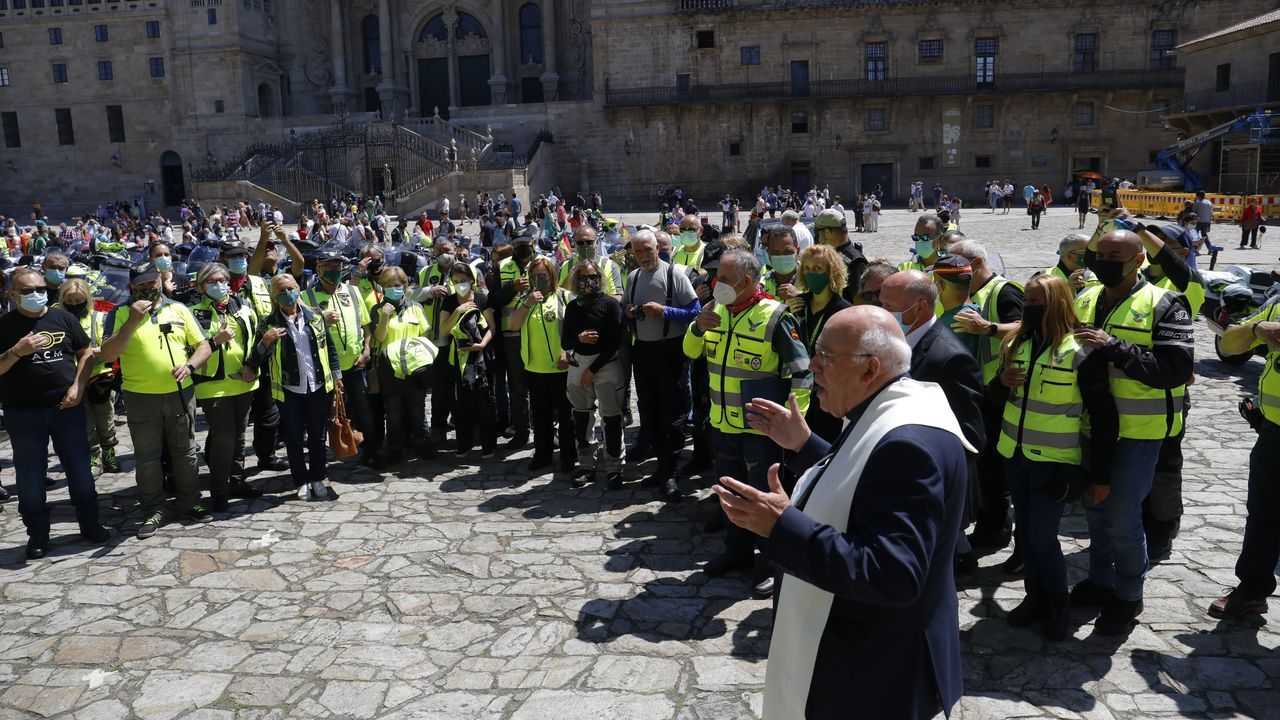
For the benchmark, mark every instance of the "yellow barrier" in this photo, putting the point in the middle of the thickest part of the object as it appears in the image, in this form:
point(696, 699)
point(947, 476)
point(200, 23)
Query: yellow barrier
point(1226, 208)
point(1270, 204)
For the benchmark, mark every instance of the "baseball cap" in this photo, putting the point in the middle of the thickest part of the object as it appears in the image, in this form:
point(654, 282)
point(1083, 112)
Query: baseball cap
point(711, 254)
point(231, 248)
point(830, 218)
point(143, 272)
point(954, 268)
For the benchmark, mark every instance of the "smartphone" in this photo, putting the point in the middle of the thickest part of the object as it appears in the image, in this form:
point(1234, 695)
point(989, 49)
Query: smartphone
point(1109, 199)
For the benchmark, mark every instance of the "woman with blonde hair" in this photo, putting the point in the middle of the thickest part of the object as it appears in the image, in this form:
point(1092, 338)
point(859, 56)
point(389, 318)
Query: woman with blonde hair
point(76, 298)
point(822, 279)
point(1047, 386)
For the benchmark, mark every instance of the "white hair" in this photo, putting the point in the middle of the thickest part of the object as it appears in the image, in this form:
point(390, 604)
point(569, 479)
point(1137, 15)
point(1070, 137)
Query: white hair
point(644, 237)
point(892, 350)
point(1073, 239)
point(971, 249)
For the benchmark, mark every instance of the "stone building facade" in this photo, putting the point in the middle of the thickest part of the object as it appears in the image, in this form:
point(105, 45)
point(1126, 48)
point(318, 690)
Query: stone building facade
point(713, 95)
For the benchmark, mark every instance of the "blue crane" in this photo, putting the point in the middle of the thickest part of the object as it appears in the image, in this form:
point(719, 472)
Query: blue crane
point(1177, 158)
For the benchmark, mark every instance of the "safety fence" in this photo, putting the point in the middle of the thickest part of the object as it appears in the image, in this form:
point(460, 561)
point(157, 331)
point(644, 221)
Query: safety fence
point(1226, 208)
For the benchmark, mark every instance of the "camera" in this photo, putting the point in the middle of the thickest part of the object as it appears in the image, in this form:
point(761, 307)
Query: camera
point(1250, 411)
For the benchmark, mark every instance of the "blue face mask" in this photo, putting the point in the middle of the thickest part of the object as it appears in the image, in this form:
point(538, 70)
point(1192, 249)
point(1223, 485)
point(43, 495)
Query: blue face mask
point(34, 302)
point(57, 277)
point(394, 294)
point(163, 263)
point(218, 291)
point(238, 265)
point(288, 298)
point(785, 264)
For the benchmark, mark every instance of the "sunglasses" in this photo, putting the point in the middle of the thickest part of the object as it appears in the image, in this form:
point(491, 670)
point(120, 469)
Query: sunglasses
point(31, 291)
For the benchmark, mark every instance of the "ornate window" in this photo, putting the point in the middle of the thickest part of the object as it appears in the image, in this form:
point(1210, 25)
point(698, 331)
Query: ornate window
point(467, 26)
point(530, 34)
point(372, 45)
point(434, 30)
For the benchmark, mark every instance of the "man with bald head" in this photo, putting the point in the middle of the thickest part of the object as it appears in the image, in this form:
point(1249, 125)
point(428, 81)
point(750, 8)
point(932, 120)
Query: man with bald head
point(1143, 333)
point(867, 610)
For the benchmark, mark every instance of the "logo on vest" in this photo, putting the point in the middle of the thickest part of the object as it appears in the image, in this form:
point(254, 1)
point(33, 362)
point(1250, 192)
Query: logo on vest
point(1139, 317)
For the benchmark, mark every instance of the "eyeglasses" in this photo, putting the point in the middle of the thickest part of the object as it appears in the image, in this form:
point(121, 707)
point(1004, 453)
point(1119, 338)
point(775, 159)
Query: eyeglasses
point(30, 291)
point(827, 357)
point(870, 295)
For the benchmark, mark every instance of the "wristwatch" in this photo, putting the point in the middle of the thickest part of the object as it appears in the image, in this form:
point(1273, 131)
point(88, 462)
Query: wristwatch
point(992, 328)
point(190, 368)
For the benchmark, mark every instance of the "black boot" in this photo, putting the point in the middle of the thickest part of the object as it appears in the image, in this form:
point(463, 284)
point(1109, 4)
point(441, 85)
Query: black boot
point(1030, 609)
point(1055, 621)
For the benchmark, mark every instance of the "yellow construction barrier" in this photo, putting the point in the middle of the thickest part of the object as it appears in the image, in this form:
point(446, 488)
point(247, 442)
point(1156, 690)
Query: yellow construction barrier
point(1270, 204)
point(1226, 208)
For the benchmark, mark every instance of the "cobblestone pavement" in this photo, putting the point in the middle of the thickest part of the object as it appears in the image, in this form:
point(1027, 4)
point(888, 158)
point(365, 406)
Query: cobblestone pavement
point(461, 590)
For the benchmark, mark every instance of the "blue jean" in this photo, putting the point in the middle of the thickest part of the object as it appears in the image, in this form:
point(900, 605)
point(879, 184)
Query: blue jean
point(1117, 543)
point(30, 431)
point(1036, 518)
point(745, 457)
point(306, 415)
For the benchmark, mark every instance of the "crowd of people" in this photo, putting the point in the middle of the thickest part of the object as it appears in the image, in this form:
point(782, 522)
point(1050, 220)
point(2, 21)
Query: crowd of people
point(1069, 386)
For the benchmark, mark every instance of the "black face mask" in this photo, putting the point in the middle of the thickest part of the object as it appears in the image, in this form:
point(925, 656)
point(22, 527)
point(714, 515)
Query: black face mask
point(151, 294)
point(1032, 318)
point(375, 267)
point(77, 309)
point(1111, 273)
point(587, 286)
point(541, 282)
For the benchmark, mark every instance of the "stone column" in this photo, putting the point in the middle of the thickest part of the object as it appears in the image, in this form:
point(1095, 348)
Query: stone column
point(498, 43)
point(340, 91)
point(387, 87)
point(550, 80)
point(450, 23)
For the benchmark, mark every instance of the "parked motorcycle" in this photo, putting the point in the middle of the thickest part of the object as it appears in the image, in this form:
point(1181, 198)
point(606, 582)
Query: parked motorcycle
point(1233, 295)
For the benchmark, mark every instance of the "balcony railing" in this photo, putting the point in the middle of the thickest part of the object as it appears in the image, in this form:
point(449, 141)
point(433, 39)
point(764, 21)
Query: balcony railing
point(720, 6)
point(1240, 94)
point(895, 87)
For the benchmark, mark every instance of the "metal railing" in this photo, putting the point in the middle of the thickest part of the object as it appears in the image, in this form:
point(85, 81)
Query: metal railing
point(719, 6)
point(1239, 95)
point(907, 86)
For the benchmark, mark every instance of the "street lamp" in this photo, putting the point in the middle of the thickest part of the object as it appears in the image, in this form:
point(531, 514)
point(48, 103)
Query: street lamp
point(839, 140)
point(115, 160)
point(1053, 136)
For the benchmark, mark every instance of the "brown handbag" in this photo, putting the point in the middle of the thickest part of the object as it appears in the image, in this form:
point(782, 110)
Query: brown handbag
point(344, 440)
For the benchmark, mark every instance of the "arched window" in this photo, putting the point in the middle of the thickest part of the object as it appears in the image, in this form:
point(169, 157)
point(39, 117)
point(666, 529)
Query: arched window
point(530, 34)
point(468, 26)
point(434, 30)
point(372, 44)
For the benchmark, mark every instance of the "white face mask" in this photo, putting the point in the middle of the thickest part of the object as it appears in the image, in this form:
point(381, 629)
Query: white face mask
point(723, 293)
point(463, 288)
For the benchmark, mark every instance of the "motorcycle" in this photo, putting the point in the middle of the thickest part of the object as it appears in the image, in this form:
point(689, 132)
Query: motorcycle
point(1232, 296)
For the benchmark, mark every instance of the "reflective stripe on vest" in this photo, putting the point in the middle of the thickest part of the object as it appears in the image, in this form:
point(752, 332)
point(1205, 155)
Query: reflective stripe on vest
point(1269, 381)
point(1194, 292)
point(350, 333)
point(1044, 416)
point(1146, 413)
point(540, 346)
point(411, 356)
point(508, 273)
point(989, 347)
point(92, 324)
point(216, 378)
point(740, 348)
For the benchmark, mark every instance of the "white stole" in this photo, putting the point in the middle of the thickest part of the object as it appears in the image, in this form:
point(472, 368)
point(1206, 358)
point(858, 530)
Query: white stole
point(803, 609)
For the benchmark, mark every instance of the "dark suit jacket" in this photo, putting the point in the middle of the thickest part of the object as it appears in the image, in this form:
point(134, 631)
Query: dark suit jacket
point(939, 357)
point(890, 649)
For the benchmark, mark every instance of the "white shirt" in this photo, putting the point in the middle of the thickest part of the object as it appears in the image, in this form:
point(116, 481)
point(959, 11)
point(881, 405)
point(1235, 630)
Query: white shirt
point(279, 216)
point(804, 238)
point(444, 206)
point(919, 332)
point(301, 337)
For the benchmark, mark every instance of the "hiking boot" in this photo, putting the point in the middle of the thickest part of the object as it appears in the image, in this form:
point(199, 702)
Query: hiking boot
point(243, 489)
point(1087, 593)
point(149, 526)
point(109, 462)
point(1118, 617)
point(1055, 621)
point(1028, 611)
point(1237, 604)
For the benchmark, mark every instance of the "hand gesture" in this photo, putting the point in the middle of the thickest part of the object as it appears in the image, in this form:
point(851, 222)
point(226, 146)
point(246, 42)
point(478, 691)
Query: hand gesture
point(968, 321)
point(704, 293)
point(588, 337)
point(270, 337)
point(750, 509)
point(785, 426)
point(588, 378)
point(28, 345)
point(1093, 337)
point(1013, 377)
point(362, 360)
point(1076, 280)
point(562, 362)
point(653, 309)
point(364, 264)
point(795, 303)
point(786, 291)
point(138, 310)
point(71, 398)
point(521, 284)
point(630, 312)
point(331, 317)
point(224, 334)
point(182, 372)
point(439, 291)
point(532, 299)
point(464, 307)
point(246, 374)
point(708, 319)
point(386, 309)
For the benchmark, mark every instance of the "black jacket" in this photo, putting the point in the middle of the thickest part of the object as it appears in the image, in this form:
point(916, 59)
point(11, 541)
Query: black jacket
point(939, 357)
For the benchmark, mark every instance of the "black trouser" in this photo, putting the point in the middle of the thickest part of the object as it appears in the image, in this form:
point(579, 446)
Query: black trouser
point(442, 395)
point(496, 366)
point(549, 404)
point(266, 418)
point(658, 366)
point(224, 444)
point(1249, 237)
point(1257, 564)
point(701, 386)
point(355, 392)
point(307, 414)
point(405, 403)
point(994, 515)
point(1035, 220)
point(473, 413)
point(517, 385)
